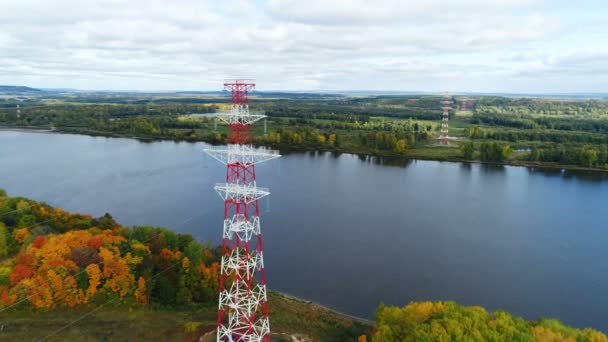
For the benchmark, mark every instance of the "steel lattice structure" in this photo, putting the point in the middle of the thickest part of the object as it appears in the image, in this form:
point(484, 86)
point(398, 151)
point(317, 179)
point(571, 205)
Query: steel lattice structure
point(243, 307)
point(443, 135)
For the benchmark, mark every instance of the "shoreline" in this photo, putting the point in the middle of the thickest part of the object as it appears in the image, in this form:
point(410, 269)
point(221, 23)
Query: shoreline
point(526, 164)
point(27, 129)
point(323, 307)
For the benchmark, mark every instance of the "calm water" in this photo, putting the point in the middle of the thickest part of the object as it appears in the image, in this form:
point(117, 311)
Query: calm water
point(350, 232)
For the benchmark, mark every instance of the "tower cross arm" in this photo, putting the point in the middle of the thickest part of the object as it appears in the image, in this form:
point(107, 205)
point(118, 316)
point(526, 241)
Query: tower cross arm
point(243, 154)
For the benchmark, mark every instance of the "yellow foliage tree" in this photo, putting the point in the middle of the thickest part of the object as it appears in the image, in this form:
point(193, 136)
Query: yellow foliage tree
point(332, 139)
point(40, 294)
point(94, 274)
point(542, 334)
point(141, 295)
point(56, 285)
point(21, 234)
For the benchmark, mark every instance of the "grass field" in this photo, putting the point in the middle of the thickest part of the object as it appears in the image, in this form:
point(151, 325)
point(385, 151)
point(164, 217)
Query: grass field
point(289, 317)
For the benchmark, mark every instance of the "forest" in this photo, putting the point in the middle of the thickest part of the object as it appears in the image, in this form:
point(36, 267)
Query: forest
point(551, 132)
point(54, 258)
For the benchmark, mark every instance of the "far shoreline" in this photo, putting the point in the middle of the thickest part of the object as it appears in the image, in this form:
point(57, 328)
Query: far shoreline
point(516, 163)
point(27, 129)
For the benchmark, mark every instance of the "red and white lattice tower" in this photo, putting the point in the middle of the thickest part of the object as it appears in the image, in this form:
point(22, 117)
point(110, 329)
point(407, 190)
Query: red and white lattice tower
point(443, 134)
point(243, 308)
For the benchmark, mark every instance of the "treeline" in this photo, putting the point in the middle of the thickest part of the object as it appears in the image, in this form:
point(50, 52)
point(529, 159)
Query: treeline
point(585, 156)
point(349, 122)
point(53, 258)
point(555, 136)
point(487, 151)
point(540, 106)
point(397, 143)
point(89, 115)
point(526, 121)
point(418, 107)
point(588, 156)
point(373, 136)
point(375, 141)
point(448, 321)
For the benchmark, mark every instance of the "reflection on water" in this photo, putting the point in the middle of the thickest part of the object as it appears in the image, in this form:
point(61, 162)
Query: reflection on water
point(492, 168)
point(357, 232)
point(586, 176)
point(465, 166)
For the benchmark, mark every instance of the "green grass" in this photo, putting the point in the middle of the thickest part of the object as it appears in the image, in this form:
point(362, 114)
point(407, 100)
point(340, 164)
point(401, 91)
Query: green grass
point(457, 128)
point(434, 152)
point(463, 113)
point(88, 323)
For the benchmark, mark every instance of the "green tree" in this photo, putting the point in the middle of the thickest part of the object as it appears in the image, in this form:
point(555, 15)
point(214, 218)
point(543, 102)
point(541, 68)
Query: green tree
point(183, 295)
point(468, 149)
point(587, 156)
point(194, 252)
point(505, 152)
point(164, 290)
point(4, 248)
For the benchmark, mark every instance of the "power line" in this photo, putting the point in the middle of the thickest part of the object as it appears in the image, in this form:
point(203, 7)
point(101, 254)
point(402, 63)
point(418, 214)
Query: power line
point(98, 308)
point(75, 275)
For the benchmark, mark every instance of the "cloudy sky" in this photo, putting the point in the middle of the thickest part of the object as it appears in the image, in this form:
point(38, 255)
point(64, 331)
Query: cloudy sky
point(401, 45)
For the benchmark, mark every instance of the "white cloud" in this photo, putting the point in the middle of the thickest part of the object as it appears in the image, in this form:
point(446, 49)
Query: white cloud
point(285, 44)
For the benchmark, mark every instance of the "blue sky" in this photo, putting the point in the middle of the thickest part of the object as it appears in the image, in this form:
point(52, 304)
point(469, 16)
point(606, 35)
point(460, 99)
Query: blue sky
point(536, 46)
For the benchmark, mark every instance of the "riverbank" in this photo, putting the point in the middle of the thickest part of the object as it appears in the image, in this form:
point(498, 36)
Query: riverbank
point(431, 152)
point(346, 316)
point(27, 129)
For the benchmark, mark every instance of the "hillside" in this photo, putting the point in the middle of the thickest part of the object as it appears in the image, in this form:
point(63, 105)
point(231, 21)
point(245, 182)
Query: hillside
point(99, 280)
point(6, 89)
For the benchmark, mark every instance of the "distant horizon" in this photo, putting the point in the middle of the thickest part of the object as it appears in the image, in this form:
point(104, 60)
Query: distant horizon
point(312, 91)
point(506, 46)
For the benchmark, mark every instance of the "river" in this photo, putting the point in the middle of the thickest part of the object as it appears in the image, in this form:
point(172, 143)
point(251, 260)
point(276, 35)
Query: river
point(350, 232)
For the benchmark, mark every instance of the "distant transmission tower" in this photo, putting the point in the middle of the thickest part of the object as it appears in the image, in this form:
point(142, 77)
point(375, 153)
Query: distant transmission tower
point(464, 104)
point(443, 135)
point(243, 307)
point(18, 112)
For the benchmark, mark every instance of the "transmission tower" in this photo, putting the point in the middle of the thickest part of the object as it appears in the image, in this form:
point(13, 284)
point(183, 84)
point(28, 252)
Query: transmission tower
point(18, 112)
point(443, 135)
point(243, 307)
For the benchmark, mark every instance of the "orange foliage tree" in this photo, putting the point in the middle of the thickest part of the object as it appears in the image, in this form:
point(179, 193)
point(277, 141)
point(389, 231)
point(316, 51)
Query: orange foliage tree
point(67, 259)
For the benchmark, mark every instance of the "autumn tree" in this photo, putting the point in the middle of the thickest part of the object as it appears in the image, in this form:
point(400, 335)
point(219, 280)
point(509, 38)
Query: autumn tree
point(141, 294)
point(400, 146)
